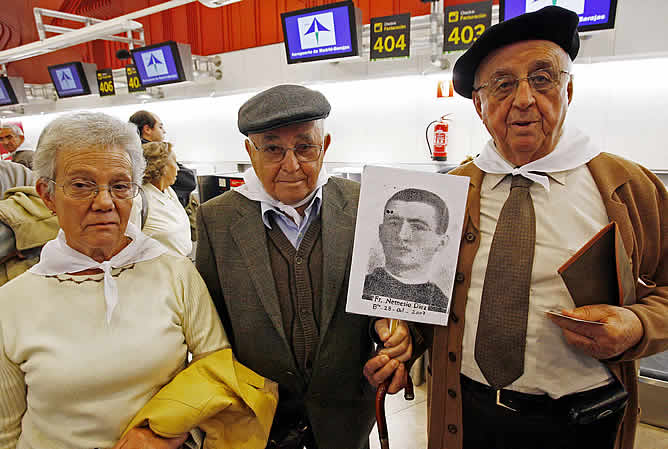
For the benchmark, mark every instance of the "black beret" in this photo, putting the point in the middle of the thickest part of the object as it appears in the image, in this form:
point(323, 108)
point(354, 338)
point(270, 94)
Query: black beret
point(551, 23)
point(280, 106)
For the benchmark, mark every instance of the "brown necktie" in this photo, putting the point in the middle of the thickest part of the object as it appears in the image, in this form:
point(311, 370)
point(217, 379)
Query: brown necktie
point(504, 308)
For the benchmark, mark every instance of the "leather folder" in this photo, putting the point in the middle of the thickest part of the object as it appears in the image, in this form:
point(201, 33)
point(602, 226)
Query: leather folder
point(600, 272)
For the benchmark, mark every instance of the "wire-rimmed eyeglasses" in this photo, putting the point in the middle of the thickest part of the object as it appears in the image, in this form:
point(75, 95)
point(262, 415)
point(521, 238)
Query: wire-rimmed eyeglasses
point(83, 190)
point(304, 152)
point(541, 81)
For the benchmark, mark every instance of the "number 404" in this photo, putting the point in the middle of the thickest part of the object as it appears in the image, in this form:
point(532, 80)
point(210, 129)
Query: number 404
point(390, 43)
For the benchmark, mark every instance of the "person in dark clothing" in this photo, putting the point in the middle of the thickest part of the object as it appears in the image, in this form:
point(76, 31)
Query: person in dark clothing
point(151, 129)
point(413, 231)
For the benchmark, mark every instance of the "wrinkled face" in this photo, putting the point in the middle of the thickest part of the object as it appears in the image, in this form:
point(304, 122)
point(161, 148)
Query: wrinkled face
point(157, 133)
point(10, 140)
point(289, 180)
point(94, 226)
point(408, 235)
point(171, 169)
point(525, 125)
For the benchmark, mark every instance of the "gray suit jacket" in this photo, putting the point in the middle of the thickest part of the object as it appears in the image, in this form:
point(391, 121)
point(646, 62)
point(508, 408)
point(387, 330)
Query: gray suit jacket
point(233, 258)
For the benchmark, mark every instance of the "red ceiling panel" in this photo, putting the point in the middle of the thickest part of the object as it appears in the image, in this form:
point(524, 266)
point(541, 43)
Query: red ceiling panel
point(246, 24)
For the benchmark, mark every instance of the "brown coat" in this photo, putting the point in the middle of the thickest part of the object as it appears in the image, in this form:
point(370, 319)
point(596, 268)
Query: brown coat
point(634, 198)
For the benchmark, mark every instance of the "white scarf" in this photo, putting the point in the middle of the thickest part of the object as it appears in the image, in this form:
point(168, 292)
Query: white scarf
point(57, 257)
point(573, 149)
point(254, 191)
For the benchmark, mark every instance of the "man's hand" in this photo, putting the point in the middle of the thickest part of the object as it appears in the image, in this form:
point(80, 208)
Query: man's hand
point(143, 438)
point(398, 345)
point(622, 329)
point(381, 367)
point(397, 348)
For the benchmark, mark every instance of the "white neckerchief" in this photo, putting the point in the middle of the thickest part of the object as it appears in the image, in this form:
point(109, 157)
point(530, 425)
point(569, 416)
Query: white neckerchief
point(254, 191)
point(573, 149)
point(57, 257)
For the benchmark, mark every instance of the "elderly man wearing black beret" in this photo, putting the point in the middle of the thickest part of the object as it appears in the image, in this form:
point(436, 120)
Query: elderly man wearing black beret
point(504, 374)
point(275, 255)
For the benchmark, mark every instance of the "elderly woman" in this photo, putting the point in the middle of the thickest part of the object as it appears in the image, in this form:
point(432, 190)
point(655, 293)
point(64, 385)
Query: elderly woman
point(167, 221)
point(107, 317)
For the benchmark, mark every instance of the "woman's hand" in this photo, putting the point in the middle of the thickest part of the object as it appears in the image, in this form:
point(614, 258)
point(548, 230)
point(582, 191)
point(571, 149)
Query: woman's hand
point(144, 438)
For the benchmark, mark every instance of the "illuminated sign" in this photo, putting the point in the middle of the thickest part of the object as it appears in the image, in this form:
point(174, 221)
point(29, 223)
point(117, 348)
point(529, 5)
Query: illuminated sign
point(323, 32)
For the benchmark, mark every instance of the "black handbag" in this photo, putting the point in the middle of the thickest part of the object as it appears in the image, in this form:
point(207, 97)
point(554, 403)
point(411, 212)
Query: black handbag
point(590, 406)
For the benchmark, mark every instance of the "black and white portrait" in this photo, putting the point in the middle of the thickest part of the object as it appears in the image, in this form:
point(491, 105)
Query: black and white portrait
point(406, 244)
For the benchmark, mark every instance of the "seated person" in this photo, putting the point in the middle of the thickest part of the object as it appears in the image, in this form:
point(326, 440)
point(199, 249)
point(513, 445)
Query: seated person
point(411, 234)
point(167, 221)
point(107, 317)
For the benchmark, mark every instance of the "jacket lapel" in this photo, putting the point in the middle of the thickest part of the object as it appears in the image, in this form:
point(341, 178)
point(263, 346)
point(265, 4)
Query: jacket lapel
point(338, 229)
point(609, 176)
point(251, 239)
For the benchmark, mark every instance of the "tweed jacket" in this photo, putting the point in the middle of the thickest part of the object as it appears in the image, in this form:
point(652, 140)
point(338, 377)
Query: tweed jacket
point(233, 258)
point(635, 199)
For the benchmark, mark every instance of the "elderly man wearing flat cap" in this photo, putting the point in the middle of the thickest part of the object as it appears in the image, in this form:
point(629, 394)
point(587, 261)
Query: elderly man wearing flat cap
point(276, 257)
point(504, 374)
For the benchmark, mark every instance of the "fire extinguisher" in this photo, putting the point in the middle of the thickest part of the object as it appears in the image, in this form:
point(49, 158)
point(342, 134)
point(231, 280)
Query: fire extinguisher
point(439, 152)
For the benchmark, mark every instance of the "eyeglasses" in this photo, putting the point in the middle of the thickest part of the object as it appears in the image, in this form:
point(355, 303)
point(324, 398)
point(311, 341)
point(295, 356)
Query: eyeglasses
point(541, 81)
point(84, 190)
point(276, 153)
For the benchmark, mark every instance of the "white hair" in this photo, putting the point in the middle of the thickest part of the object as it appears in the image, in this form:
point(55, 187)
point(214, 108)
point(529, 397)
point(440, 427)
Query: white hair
point(16, 129)
point(84, 131)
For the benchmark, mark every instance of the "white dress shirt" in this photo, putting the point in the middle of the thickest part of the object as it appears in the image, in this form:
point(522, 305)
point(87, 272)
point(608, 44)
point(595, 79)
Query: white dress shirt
point(567, 216)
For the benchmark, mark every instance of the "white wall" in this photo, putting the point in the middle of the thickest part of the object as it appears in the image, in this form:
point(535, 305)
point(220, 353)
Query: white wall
point(622, 103)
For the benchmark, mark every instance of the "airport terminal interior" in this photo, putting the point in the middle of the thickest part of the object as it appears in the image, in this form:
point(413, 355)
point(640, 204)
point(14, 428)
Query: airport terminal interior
point(194, 63)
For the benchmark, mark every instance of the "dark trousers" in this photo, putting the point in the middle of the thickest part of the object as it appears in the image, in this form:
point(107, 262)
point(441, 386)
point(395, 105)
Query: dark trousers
point(489, 426)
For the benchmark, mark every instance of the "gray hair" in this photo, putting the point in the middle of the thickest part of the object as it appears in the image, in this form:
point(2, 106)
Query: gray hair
point(86, 130)
point(16, 129)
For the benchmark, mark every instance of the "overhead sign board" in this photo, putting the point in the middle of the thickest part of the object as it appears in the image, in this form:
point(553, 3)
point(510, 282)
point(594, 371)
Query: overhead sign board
point(105, 82)
point(134, 83)
point(391, 37)
point(463, 24)
point(593, 14)
point(324, 32)
point(73, 79)
point(163, 63)
point(12, 91)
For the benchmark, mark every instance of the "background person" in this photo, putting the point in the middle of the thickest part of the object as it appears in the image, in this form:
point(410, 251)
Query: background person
point(167, 221)
point(413, 231)
point(23, 157)
point(107, 317)
point(276, 256)
point(12, 139)
point(151, 129)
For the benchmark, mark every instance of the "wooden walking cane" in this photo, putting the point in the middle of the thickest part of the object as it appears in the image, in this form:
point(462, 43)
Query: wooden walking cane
point(381, 420)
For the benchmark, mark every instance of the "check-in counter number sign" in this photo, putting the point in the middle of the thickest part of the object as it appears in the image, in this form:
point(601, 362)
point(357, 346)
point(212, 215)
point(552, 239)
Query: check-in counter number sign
point(390, 36)
point(464, 24)
point(105, 82)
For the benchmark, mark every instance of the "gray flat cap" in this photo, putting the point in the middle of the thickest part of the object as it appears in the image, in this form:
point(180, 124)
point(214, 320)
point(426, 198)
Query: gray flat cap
point(280, 106)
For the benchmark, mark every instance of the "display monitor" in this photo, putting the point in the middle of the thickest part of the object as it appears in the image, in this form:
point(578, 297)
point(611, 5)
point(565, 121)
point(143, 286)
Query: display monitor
point(73, 79)
point(163, 63)
point(324, 32)
point(594, 14)
point(7, 95)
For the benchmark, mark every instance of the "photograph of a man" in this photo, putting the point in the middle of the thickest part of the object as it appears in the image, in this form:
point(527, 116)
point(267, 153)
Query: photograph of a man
point(413, 231)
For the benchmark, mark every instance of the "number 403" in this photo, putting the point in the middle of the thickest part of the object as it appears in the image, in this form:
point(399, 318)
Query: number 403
point(390, 43)
point(467, 35)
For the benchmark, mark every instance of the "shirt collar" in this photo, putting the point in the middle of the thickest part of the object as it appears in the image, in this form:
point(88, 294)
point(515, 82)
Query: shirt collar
point(267, 209)
point(558, 177)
